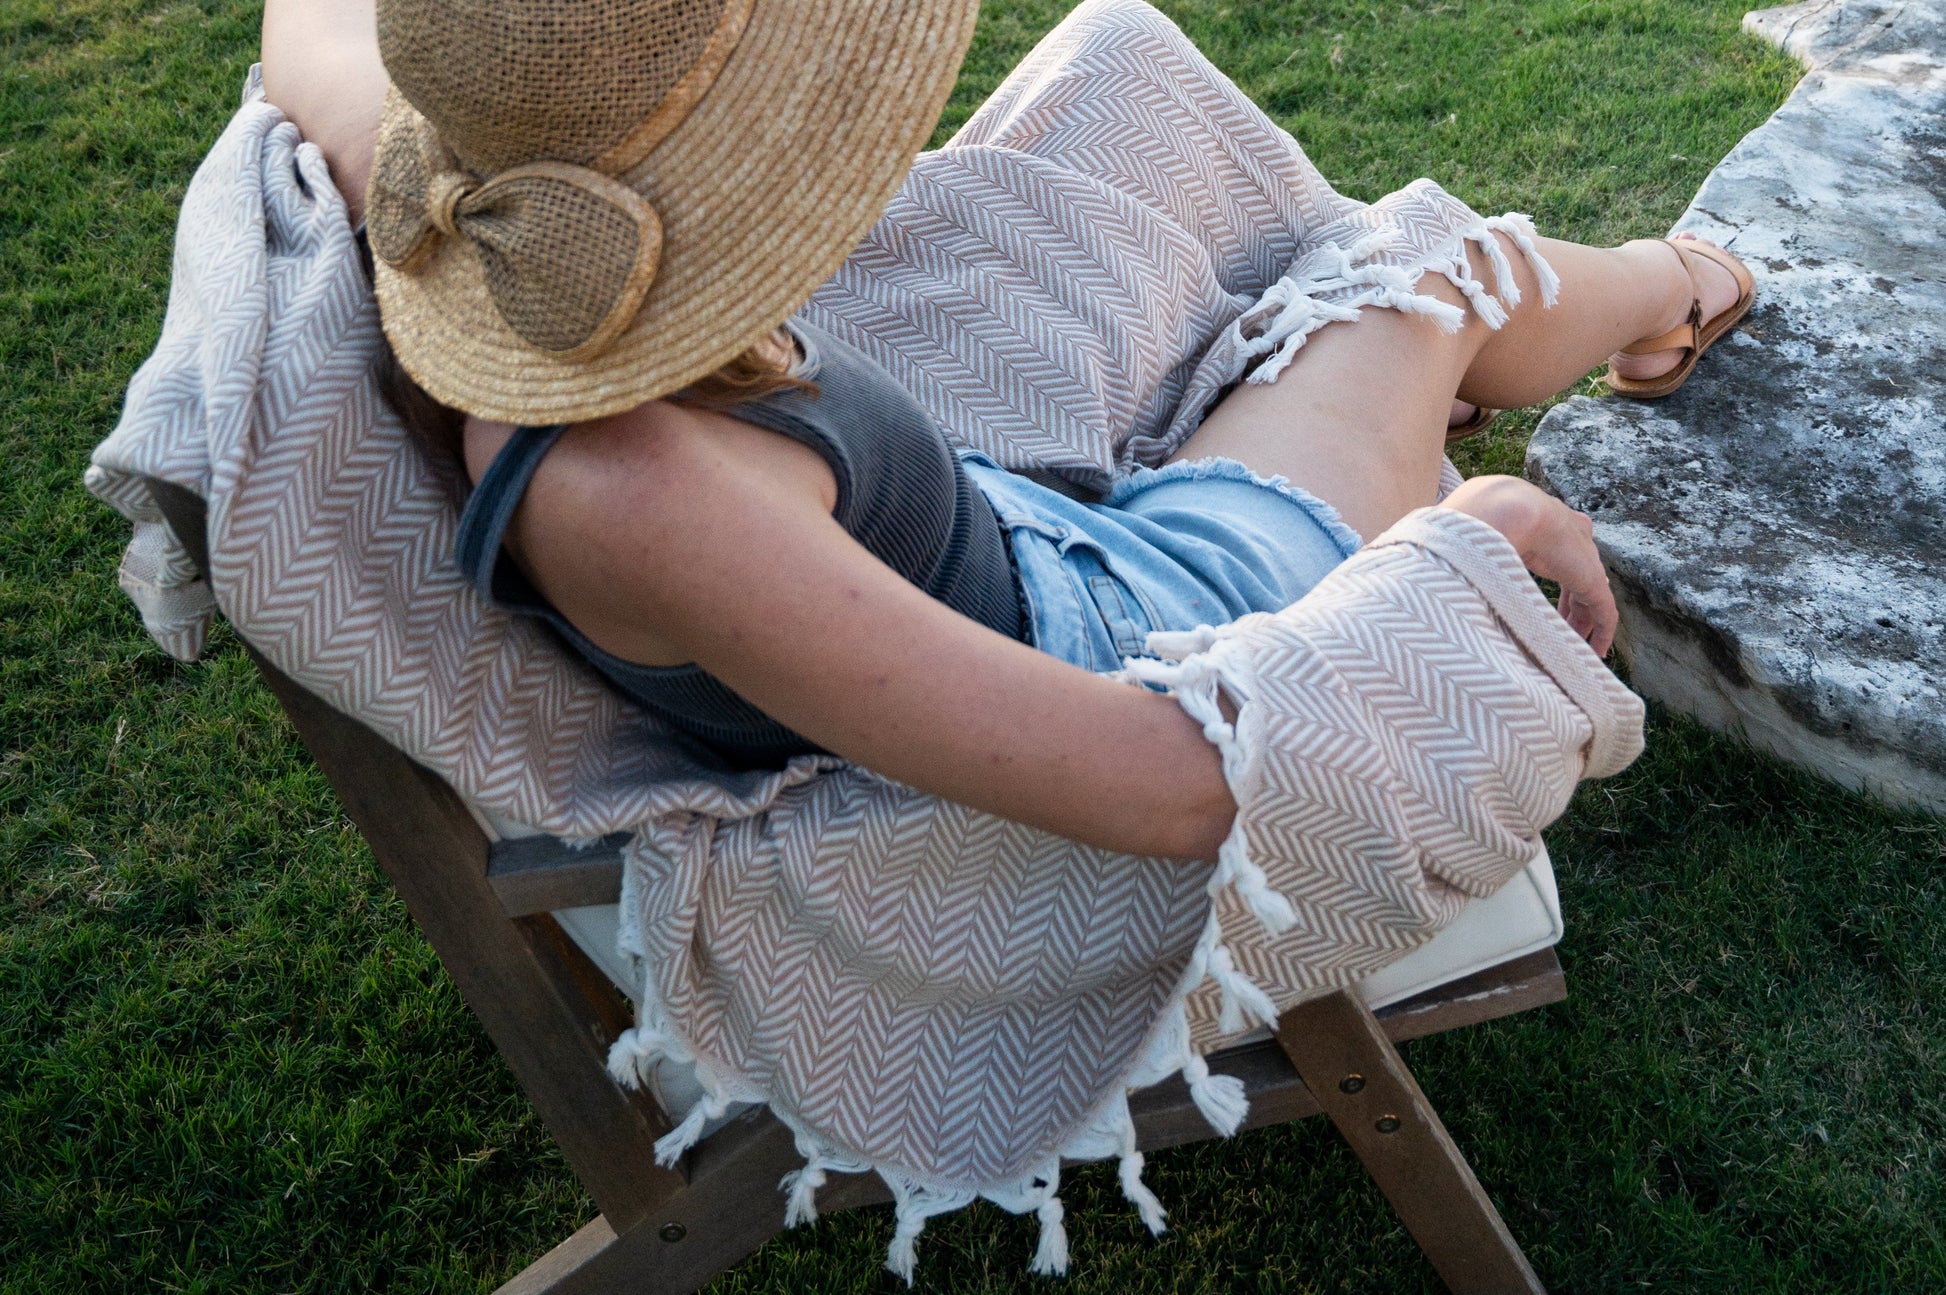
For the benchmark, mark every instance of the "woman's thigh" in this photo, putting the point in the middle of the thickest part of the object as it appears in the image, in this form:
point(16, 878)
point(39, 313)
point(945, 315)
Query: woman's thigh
point(1358, 419)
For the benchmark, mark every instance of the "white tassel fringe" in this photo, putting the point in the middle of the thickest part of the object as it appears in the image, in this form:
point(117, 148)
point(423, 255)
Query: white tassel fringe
point(1129, 1170)
point(1293, 308)
point(914, 1205)
point(1220, 1098)
point(1051, 1254)
point(1520, 227)
point(801, 1186)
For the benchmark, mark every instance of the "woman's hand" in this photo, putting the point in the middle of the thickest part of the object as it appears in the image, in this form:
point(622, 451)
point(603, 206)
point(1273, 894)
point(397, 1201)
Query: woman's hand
point(1556, 542)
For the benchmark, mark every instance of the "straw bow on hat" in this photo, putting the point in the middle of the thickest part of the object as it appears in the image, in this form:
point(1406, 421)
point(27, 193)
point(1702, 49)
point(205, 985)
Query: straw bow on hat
point(580, 205)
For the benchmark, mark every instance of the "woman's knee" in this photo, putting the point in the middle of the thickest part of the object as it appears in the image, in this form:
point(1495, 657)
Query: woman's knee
point(1491, 280)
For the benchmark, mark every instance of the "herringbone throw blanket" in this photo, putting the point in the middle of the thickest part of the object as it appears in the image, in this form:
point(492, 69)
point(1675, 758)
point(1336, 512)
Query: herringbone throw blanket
point(951, 999)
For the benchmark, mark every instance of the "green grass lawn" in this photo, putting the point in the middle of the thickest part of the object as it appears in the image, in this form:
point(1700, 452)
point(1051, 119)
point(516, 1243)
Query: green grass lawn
point(229, 1063)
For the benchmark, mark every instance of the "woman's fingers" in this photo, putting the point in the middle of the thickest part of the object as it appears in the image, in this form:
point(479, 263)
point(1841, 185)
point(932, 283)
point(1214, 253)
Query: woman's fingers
point(1566, 554)
point(1556, 543)
point(1594, 619)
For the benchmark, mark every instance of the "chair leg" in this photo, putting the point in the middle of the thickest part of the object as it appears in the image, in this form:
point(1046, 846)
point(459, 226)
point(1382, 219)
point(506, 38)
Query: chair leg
point(564, 1268)
point(1363, 1084)
point(730, 1206)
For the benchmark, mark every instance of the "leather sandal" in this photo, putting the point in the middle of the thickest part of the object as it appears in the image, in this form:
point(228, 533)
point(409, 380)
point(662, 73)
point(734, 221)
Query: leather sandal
point(1694, 335)
point(1481, 420)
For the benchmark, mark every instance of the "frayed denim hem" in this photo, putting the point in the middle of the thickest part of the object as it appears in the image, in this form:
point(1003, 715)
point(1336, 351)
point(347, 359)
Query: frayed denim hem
point(1214, 468)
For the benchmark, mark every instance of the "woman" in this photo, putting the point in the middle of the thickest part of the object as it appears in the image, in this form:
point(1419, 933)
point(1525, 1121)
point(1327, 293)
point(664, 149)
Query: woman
point(681, 529)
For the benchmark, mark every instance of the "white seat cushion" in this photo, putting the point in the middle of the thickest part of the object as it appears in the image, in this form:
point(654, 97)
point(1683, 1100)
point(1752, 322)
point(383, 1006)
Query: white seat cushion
point(1522, 917)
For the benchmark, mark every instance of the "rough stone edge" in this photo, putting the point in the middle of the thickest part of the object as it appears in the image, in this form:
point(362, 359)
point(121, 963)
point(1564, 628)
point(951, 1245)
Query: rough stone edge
point(1822, 33)
point(1691, 663)
point(1685, 656)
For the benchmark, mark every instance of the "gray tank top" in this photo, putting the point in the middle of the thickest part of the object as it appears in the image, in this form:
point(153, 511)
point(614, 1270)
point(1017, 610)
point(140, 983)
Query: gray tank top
point(901, 493)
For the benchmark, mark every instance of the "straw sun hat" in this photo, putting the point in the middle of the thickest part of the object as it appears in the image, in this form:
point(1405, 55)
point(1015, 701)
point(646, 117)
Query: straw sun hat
point(580, 205)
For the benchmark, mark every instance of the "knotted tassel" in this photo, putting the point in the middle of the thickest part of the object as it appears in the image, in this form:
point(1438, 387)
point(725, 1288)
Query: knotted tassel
point(1503, 269)
point(803, 1184)
point(1372, 244)
point(1129, 1170)
point(1484, 305)
point(670, 1147)
point(1299, 313)
point(1272, 910)
point(1449, 317)
point(1397, 287)
point(1196, 684)
point(1520, 227)
point(1175, 645)
point(902, 1256)
point(1293, 307)
point(914, 1205)
point(1287, 335)
point(1220, 1098)
point(1051, 1255)
point(1241, 995)
point(634, 1054)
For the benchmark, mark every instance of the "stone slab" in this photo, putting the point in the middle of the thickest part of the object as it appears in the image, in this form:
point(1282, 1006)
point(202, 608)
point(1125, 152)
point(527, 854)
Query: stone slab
point(1776, 530)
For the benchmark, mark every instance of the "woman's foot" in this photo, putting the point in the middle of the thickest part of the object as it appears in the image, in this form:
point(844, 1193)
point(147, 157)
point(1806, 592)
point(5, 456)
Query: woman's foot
point(1718, 290)
point(1464, 420)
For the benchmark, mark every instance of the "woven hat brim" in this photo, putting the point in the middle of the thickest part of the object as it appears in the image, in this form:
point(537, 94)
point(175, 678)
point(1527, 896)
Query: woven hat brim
point(762, 191)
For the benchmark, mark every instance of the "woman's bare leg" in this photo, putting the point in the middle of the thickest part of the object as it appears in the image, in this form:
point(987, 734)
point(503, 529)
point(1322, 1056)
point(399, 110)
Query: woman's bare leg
point(1359, 418)
point(1621, 294)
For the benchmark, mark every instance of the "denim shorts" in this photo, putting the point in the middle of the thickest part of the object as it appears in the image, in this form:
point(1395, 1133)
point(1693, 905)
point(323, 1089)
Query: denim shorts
point(1194, 543)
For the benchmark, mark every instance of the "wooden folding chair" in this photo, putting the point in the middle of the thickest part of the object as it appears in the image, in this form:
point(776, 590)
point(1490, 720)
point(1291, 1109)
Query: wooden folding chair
point(553, 1014)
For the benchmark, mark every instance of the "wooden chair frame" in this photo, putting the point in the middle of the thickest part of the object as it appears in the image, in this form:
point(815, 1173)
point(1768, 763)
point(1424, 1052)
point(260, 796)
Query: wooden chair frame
point(485, 907)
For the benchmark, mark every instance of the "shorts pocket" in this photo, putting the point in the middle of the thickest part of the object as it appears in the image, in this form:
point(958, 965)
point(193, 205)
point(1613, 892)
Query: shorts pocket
point(1127, 627)
point(1057, 624)
point(1078, 608)
point(1119, 620)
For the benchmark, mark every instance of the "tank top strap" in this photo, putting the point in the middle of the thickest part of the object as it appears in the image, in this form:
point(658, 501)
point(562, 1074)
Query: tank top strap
point(490, 508)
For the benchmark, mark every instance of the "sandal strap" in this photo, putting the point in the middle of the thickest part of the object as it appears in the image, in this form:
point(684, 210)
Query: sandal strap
point(1683, 335)
point(1687, 333)
point(1693, 334)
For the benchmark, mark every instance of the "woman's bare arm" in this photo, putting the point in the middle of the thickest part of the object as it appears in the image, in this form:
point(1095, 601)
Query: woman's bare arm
point(322, 70)
point(735, 561)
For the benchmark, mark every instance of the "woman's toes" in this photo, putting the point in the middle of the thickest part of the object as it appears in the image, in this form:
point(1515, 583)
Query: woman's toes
point(1461, 414)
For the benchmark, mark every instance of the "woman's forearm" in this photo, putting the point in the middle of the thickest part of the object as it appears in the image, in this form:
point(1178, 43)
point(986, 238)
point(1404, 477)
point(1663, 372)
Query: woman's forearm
point(1090, 758)
point(892, 679)
point(322, 70)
